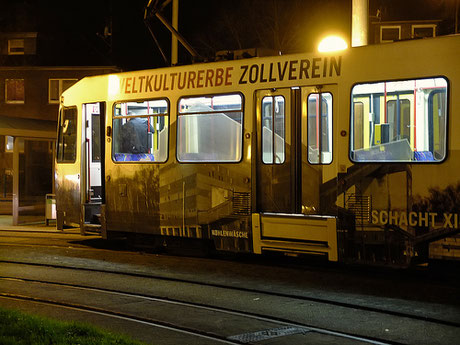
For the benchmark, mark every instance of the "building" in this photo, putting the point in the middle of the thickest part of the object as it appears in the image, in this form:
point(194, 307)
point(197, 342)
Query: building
point(29, 101)
point(391, 31)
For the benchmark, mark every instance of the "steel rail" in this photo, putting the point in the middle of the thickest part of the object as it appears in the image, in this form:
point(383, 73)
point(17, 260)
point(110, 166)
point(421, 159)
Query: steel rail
point(121, 316)
point(252, 290)
point(258, 317)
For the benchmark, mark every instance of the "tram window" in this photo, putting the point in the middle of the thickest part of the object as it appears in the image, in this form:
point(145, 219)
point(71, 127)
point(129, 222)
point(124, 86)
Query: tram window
point(319, 128)
point(398, 115)
point(400, 121)
point(437, 103)
point(67, 137)
point(273, 130)
point(140, 131)
point(209, 129)
point(95, 138)
point(359, 115)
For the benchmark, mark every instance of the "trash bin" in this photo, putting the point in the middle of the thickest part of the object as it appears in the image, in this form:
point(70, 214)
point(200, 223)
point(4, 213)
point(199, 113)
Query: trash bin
point(50, 208)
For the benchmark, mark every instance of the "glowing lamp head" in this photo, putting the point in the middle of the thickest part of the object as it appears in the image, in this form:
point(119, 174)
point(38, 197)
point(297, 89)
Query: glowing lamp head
point(331, 44)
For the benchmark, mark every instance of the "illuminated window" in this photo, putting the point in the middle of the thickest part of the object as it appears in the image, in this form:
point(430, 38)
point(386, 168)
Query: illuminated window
point(56, 87)
point(141, 131)
point(209, 129)
point(14, 91)
point(16, 47)
point(319, 128)
point(67, 136)
point(9, 143)
point(273, 134)
point(399, 121)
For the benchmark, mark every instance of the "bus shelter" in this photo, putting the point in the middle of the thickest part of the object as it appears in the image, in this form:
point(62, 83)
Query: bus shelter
point(32, 166)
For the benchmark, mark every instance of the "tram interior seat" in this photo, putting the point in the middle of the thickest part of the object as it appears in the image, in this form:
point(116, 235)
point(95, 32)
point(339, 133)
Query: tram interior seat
point(424, 156)
point(398, 150)
point(134, 157)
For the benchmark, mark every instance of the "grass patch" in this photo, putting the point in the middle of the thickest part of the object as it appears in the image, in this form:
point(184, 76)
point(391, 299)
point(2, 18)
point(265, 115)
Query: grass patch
point(19, 328)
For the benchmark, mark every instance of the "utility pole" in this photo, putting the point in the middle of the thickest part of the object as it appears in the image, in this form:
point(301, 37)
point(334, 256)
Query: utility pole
point(175, 24)
point(153, 9)
point(456, 16)
point(359, 22)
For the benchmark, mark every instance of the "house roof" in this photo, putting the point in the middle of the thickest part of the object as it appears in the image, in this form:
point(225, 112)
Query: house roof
point(28, 128)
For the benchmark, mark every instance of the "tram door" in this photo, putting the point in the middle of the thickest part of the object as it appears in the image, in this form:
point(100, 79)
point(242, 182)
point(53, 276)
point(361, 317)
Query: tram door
point(294, 150)
point(92, 164)
point(276, 164)
point(318, 169)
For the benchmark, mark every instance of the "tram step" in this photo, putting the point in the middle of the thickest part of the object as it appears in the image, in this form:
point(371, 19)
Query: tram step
point(295, 233)
point(90, 228)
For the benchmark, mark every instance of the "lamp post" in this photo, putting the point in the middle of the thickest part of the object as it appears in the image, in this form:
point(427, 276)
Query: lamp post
point(332, 43)
point(175, 24)
point(359, 23)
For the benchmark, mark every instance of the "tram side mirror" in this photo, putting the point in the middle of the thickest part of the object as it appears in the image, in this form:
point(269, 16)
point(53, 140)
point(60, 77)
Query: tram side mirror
point(109, 131)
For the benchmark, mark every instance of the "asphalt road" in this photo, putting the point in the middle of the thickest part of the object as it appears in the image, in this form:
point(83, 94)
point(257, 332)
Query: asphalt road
point(421, 307)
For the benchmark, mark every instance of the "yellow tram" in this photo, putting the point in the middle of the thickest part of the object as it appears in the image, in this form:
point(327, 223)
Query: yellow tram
point(351, 155)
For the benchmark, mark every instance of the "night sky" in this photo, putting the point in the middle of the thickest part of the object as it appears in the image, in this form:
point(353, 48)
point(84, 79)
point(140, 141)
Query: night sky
point(209, 25)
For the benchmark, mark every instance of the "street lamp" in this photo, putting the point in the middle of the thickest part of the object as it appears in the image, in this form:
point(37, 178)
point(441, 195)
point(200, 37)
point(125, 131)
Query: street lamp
point(332, 43)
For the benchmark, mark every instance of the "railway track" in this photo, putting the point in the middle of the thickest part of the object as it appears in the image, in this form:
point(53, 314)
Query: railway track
point(282, 316)
point(277, 327)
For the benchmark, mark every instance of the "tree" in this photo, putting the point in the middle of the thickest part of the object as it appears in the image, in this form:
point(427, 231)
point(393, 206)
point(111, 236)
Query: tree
point(283, 26)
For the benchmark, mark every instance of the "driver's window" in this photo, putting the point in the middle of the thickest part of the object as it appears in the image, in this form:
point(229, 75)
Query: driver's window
point(273, 130)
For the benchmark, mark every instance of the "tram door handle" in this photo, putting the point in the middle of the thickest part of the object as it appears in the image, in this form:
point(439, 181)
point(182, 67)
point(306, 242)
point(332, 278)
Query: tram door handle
point(109, 131)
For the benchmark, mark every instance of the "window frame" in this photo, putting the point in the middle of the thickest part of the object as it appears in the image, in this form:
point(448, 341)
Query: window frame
point(115, 117)
point(23, 101)
point(13, 45)
point(58, 141)
point(446, 138)
point(383, 27)
point(330, 131)
point(60, 88)
point(273, 113)
point(94, 149)
point(446, 129)
point(241, 110)
point(423, 26)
